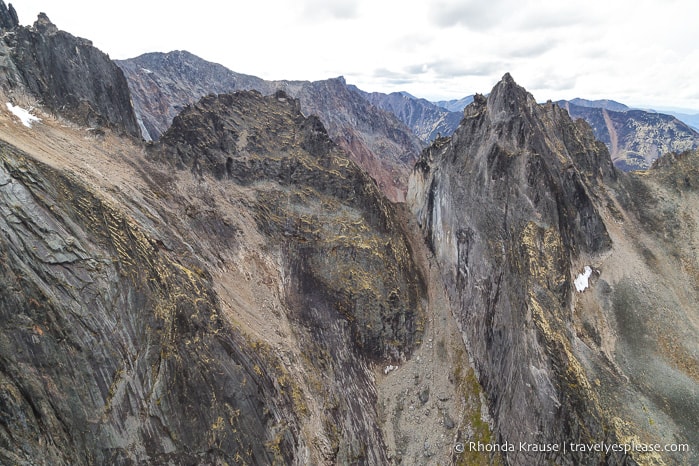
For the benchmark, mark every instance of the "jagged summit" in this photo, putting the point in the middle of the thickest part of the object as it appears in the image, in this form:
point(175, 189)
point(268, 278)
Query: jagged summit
point(513, 205)
point(8, 16)
point(510, 119)
point(507, 203)
point(65, 74)
point(509, 98)
point(44, 25)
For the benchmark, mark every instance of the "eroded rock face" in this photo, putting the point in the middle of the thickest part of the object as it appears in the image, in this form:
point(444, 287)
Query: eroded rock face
point(229, 308)
point(111, 347)
point(507, 205)
point(251, 139)
point(66, 74)
point(516, 206)
point(162, 84)
point(8, 16)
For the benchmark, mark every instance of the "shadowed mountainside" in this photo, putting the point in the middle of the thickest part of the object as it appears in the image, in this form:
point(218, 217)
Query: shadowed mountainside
point(162, 84)
point(65, 74)
point(515, 205)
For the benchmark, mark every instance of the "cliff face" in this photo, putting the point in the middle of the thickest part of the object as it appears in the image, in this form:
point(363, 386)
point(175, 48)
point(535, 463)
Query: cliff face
point(378, 141)
point(160, 91)
point(162, 84)
point(110, 344)
point(514, 205)
point(65, 74)
point(635, 138)
point(232, 309)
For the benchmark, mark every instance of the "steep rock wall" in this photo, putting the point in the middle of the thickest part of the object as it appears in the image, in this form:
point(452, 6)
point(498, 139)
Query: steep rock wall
point(67, 75)
point(507, 205)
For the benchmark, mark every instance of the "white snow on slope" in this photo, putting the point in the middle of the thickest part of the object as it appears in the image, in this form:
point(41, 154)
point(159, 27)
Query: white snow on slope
point(24, 115)
point(582, 281)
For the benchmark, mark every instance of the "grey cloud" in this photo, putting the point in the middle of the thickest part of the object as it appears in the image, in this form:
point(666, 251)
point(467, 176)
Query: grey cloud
point(554, 82)
point(551, 20)
point(393, 77)
point(416, 69)
point(339, 9)
point(413, 41)
point(450, 68)
point(556, 16)
point(532, 50)
point(472, 14)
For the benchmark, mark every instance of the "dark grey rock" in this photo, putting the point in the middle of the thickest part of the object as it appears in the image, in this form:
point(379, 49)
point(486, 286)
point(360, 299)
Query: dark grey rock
point(70, 77)
point(8, 16)
point(495, 200)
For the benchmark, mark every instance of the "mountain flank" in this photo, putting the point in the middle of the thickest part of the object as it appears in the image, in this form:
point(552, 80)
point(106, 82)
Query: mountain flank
point(242, 290)
point(635, 138)
point(162, 84)
point(516, 205)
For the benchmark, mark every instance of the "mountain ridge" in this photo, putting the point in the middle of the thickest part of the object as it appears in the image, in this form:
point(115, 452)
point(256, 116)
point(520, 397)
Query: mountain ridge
point(64, 73)
point(241, 290)
point(377, 140)
point(635, 138)
point(426, 119)
point(555, 205)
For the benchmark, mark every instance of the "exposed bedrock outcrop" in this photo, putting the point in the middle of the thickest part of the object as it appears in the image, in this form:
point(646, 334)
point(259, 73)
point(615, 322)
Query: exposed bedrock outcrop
point(64, 73)
point(111, 347)
point(232, 308)
point(508, 204)
point(320, 206)
point(568, 279)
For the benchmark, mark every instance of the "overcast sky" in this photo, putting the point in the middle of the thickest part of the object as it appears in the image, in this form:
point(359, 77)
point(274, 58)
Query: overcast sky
point(639, 52)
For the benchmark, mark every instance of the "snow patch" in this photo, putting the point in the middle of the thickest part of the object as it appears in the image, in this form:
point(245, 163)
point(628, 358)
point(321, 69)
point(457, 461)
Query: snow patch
point(146, 70)
point(389, 369)
point(27, 118)
point(583, 280)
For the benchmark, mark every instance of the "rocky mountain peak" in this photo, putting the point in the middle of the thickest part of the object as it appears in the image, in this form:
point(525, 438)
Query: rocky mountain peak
point(8, 16)
point(67, 74)
point(44, 25)
point(515, 185)
point(508, 99)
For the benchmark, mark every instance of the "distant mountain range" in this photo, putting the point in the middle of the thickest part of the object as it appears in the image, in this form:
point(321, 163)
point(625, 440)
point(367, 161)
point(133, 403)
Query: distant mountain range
point(240, 291)
point(602, 103)
point(456, 105)
point(635, 138)
point(426, 119)
point(691, 119)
